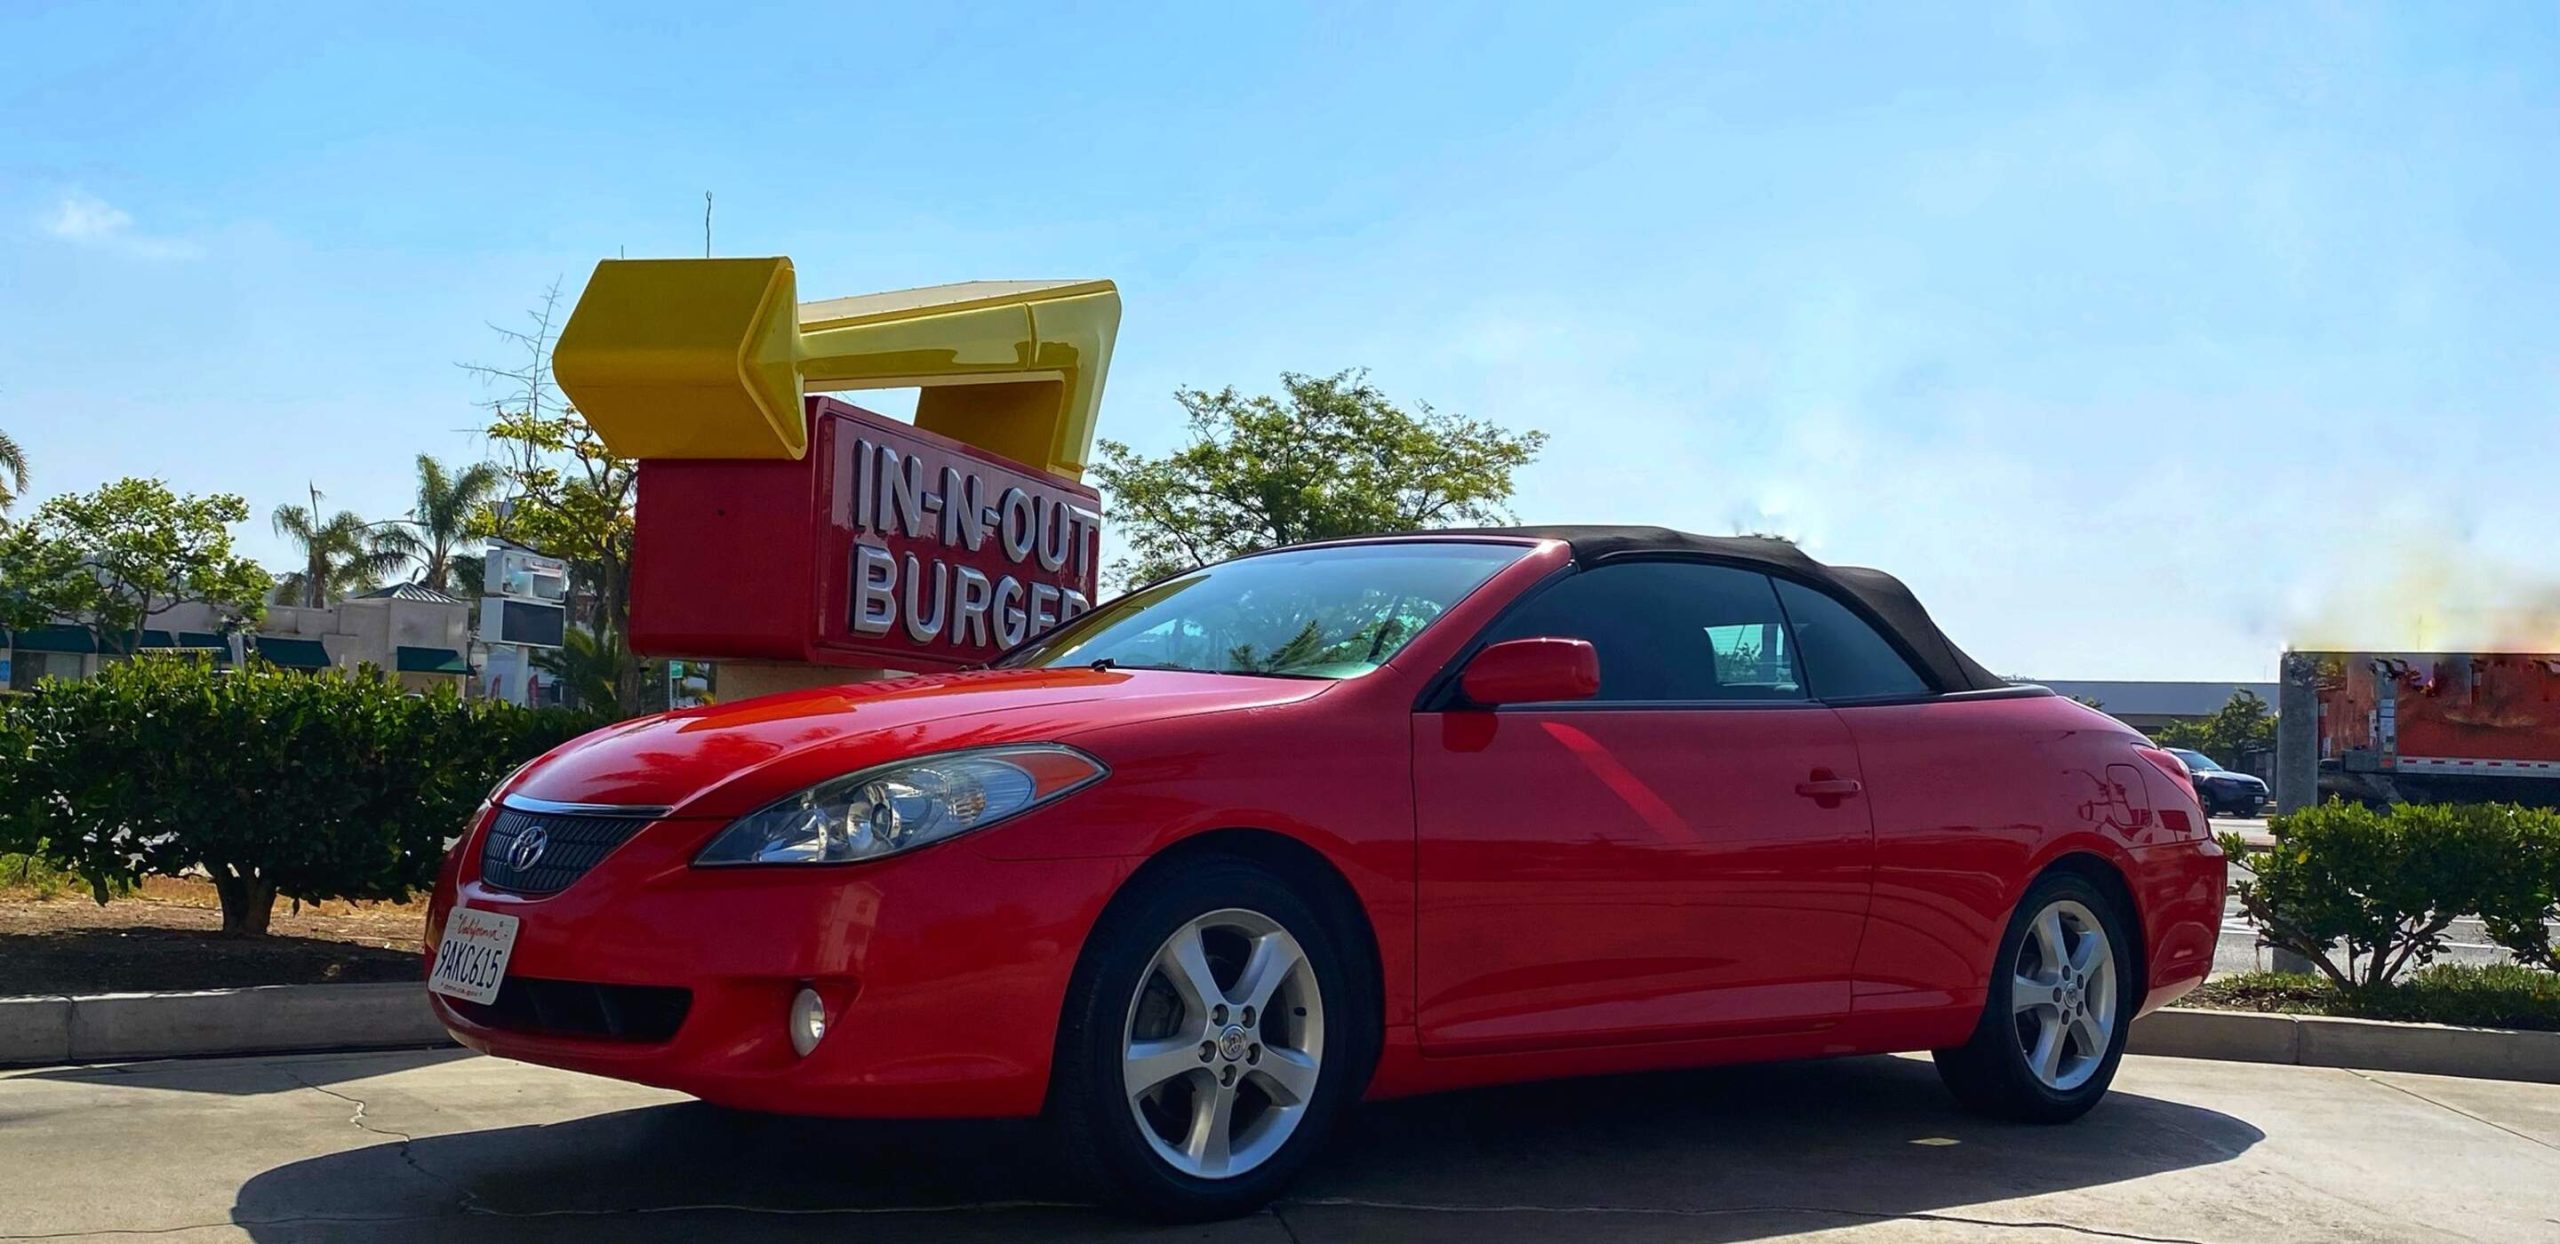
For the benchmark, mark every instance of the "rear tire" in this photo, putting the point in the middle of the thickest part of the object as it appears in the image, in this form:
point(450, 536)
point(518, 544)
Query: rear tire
point(2060, 1003)
point(1171, 1100)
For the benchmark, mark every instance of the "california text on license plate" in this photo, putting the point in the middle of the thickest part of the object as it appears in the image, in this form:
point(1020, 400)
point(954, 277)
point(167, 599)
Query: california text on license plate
point(472, 958)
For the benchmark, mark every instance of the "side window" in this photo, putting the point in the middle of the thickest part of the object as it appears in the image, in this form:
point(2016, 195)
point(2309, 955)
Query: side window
point(1844, 657)
point(1678, 631)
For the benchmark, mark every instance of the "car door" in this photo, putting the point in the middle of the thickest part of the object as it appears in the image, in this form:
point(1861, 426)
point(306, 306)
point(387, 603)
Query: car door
point(1952, 821)
point(1683, 855)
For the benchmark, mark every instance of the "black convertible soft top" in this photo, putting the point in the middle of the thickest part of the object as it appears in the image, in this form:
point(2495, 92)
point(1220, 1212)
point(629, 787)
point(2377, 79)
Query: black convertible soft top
point(1880, 596)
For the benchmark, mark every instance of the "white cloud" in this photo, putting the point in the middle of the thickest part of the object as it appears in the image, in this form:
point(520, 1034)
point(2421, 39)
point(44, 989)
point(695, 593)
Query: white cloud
point(87, 220)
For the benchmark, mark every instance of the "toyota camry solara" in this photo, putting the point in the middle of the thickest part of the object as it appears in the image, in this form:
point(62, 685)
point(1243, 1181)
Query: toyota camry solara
point(1197, 870)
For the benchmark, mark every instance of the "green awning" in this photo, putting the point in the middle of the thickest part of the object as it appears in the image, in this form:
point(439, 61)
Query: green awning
point(431, 661)
point(55, 638)
point(298, 654)
point(203, 639)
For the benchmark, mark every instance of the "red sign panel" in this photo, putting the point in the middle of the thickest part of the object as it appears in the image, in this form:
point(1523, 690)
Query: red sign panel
point(887, 547)
point(944, 550)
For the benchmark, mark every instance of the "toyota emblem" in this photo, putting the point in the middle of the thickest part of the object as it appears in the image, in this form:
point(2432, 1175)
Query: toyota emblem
point(526, 851)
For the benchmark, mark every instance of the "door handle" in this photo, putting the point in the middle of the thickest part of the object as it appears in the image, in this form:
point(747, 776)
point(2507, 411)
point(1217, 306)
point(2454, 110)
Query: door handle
point(1828, 789)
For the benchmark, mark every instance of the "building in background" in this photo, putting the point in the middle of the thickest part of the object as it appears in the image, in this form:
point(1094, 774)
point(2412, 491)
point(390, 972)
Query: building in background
point(2151, 705)
point(415, 634)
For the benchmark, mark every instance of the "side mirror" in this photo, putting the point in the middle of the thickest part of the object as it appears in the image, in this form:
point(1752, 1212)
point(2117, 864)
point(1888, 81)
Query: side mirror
point(1527, 671)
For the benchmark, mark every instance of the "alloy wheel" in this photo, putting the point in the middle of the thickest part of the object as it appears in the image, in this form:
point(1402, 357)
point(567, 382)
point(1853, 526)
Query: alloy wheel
point(2062, 993)
point(1223, 1043)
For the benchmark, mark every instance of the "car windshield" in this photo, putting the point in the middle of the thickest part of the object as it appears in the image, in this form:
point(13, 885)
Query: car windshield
point(1333, 612)
point(2197, 761)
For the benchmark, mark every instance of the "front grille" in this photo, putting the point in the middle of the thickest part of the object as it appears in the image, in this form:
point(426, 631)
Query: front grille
point(643, 1014)
point(571, 846)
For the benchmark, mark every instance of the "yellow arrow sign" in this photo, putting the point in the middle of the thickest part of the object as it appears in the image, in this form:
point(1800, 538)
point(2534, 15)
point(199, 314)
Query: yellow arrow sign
point(708, 358)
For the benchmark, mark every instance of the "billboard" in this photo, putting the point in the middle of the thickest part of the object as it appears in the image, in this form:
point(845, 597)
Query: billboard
point(511, 571)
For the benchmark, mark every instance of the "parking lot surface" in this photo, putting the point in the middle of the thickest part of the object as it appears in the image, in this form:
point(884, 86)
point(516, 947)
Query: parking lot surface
point(439, 1145)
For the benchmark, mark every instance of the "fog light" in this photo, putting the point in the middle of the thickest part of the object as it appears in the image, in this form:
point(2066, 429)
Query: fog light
point(808, 1023)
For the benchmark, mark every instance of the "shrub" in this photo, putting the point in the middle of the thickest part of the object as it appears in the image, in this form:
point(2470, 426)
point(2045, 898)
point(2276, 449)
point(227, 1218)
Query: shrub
point(2389, 882)
point(271, 782)
point(25, 871)
point(2521, 898)
point(2494, 996)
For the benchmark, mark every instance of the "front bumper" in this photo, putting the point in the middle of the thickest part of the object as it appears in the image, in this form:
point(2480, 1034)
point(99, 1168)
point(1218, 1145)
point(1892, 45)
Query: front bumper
point(944, 972)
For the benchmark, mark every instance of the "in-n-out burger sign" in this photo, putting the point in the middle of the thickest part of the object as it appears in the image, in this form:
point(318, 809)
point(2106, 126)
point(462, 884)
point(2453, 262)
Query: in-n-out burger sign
point(774, 527)
point(887, 547)
point(953, 550)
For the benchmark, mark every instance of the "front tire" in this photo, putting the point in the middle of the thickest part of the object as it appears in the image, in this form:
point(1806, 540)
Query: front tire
point(1217, 1024)
point(2060, 1004)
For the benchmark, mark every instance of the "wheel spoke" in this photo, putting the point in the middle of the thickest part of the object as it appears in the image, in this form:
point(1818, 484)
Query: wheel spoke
point(2048, 934)
point(1151, 1063)
point(2092, 953)
point(2046, 1057)
point(1287, 1075)
point(2026, 993)
point(1213, 1112)
point(2091, 1038)
point(1274, 958)
point(1186, 965)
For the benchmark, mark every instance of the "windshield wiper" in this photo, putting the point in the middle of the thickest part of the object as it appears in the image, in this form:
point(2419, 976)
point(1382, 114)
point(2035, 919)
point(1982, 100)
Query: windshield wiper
point(1099, 664)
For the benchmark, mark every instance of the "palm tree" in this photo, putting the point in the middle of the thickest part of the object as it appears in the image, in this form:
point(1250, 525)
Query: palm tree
point(13, 471)
point(591, 667)
point(447, 501)
point(341, 554)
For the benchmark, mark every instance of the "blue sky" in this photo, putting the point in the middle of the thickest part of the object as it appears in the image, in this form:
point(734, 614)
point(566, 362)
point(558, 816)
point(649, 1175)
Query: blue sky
point(2140, 343)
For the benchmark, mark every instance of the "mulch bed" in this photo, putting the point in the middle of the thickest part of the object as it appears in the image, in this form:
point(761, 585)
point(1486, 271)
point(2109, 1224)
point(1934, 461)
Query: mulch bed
point(169, 937)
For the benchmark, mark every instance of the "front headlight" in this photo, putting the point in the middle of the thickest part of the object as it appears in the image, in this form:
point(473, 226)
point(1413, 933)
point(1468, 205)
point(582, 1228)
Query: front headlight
point(902, 806)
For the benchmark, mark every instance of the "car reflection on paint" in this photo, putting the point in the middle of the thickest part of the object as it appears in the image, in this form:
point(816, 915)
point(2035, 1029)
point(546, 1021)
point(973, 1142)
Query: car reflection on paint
point(1195, 871)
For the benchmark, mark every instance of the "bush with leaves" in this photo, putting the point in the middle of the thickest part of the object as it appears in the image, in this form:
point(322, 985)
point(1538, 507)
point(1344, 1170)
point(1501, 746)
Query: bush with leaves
point(2493, 995)
point(2520, 900)
point(271, 782)
point(2388, 883)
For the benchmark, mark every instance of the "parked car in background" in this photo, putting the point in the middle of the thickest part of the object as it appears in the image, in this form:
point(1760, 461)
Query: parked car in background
point(2224, 791)
point(1201, 867)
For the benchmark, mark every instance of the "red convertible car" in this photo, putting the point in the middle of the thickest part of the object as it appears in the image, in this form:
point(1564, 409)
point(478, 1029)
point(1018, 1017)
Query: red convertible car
point(1199, 869)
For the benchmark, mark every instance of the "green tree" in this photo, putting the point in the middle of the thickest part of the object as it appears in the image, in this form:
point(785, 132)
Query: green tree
point(2243, 724)
point(591, 667)
point(13, 471)
point(1330, 456)
point(341, 554)
point(565, 494)
point(113, 559)
point(449, 502)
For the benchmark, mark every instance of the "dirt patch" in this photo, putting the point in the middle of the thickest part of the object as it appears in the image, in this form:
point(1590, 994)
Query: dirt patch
point(168, 936)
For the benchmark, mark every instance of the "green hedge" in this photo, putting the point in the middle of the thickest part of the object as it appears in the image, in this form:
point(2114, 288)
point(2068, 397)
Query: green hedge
point(2388, 883)
point(2497, 996)
point(270, 781)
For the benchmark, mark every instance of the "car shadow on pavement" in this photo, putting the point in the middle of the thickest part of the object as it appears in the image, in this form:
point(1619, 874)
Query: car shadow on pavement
point(232, 1075)
point(1728, 1154)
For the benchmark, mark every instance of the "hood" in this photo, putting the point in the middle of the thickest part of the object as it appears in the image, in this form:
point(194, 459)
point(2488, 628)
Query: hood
point(730, 759)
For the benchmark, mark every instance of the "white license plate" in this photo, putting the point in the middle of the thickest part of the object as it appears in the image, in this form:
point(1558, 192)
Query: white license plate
point(472, 958)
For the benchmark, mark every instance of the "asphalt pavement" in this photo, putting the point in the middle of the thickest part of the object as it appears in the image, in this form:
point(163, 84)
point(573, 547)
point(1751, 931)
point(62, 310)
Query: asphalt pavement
point(440, 1145)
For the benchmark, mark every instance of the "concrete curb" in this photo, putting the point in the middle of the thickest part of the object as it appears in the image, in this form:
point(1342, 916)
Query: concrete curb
point(263, 1019)
point(2367, 1044)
